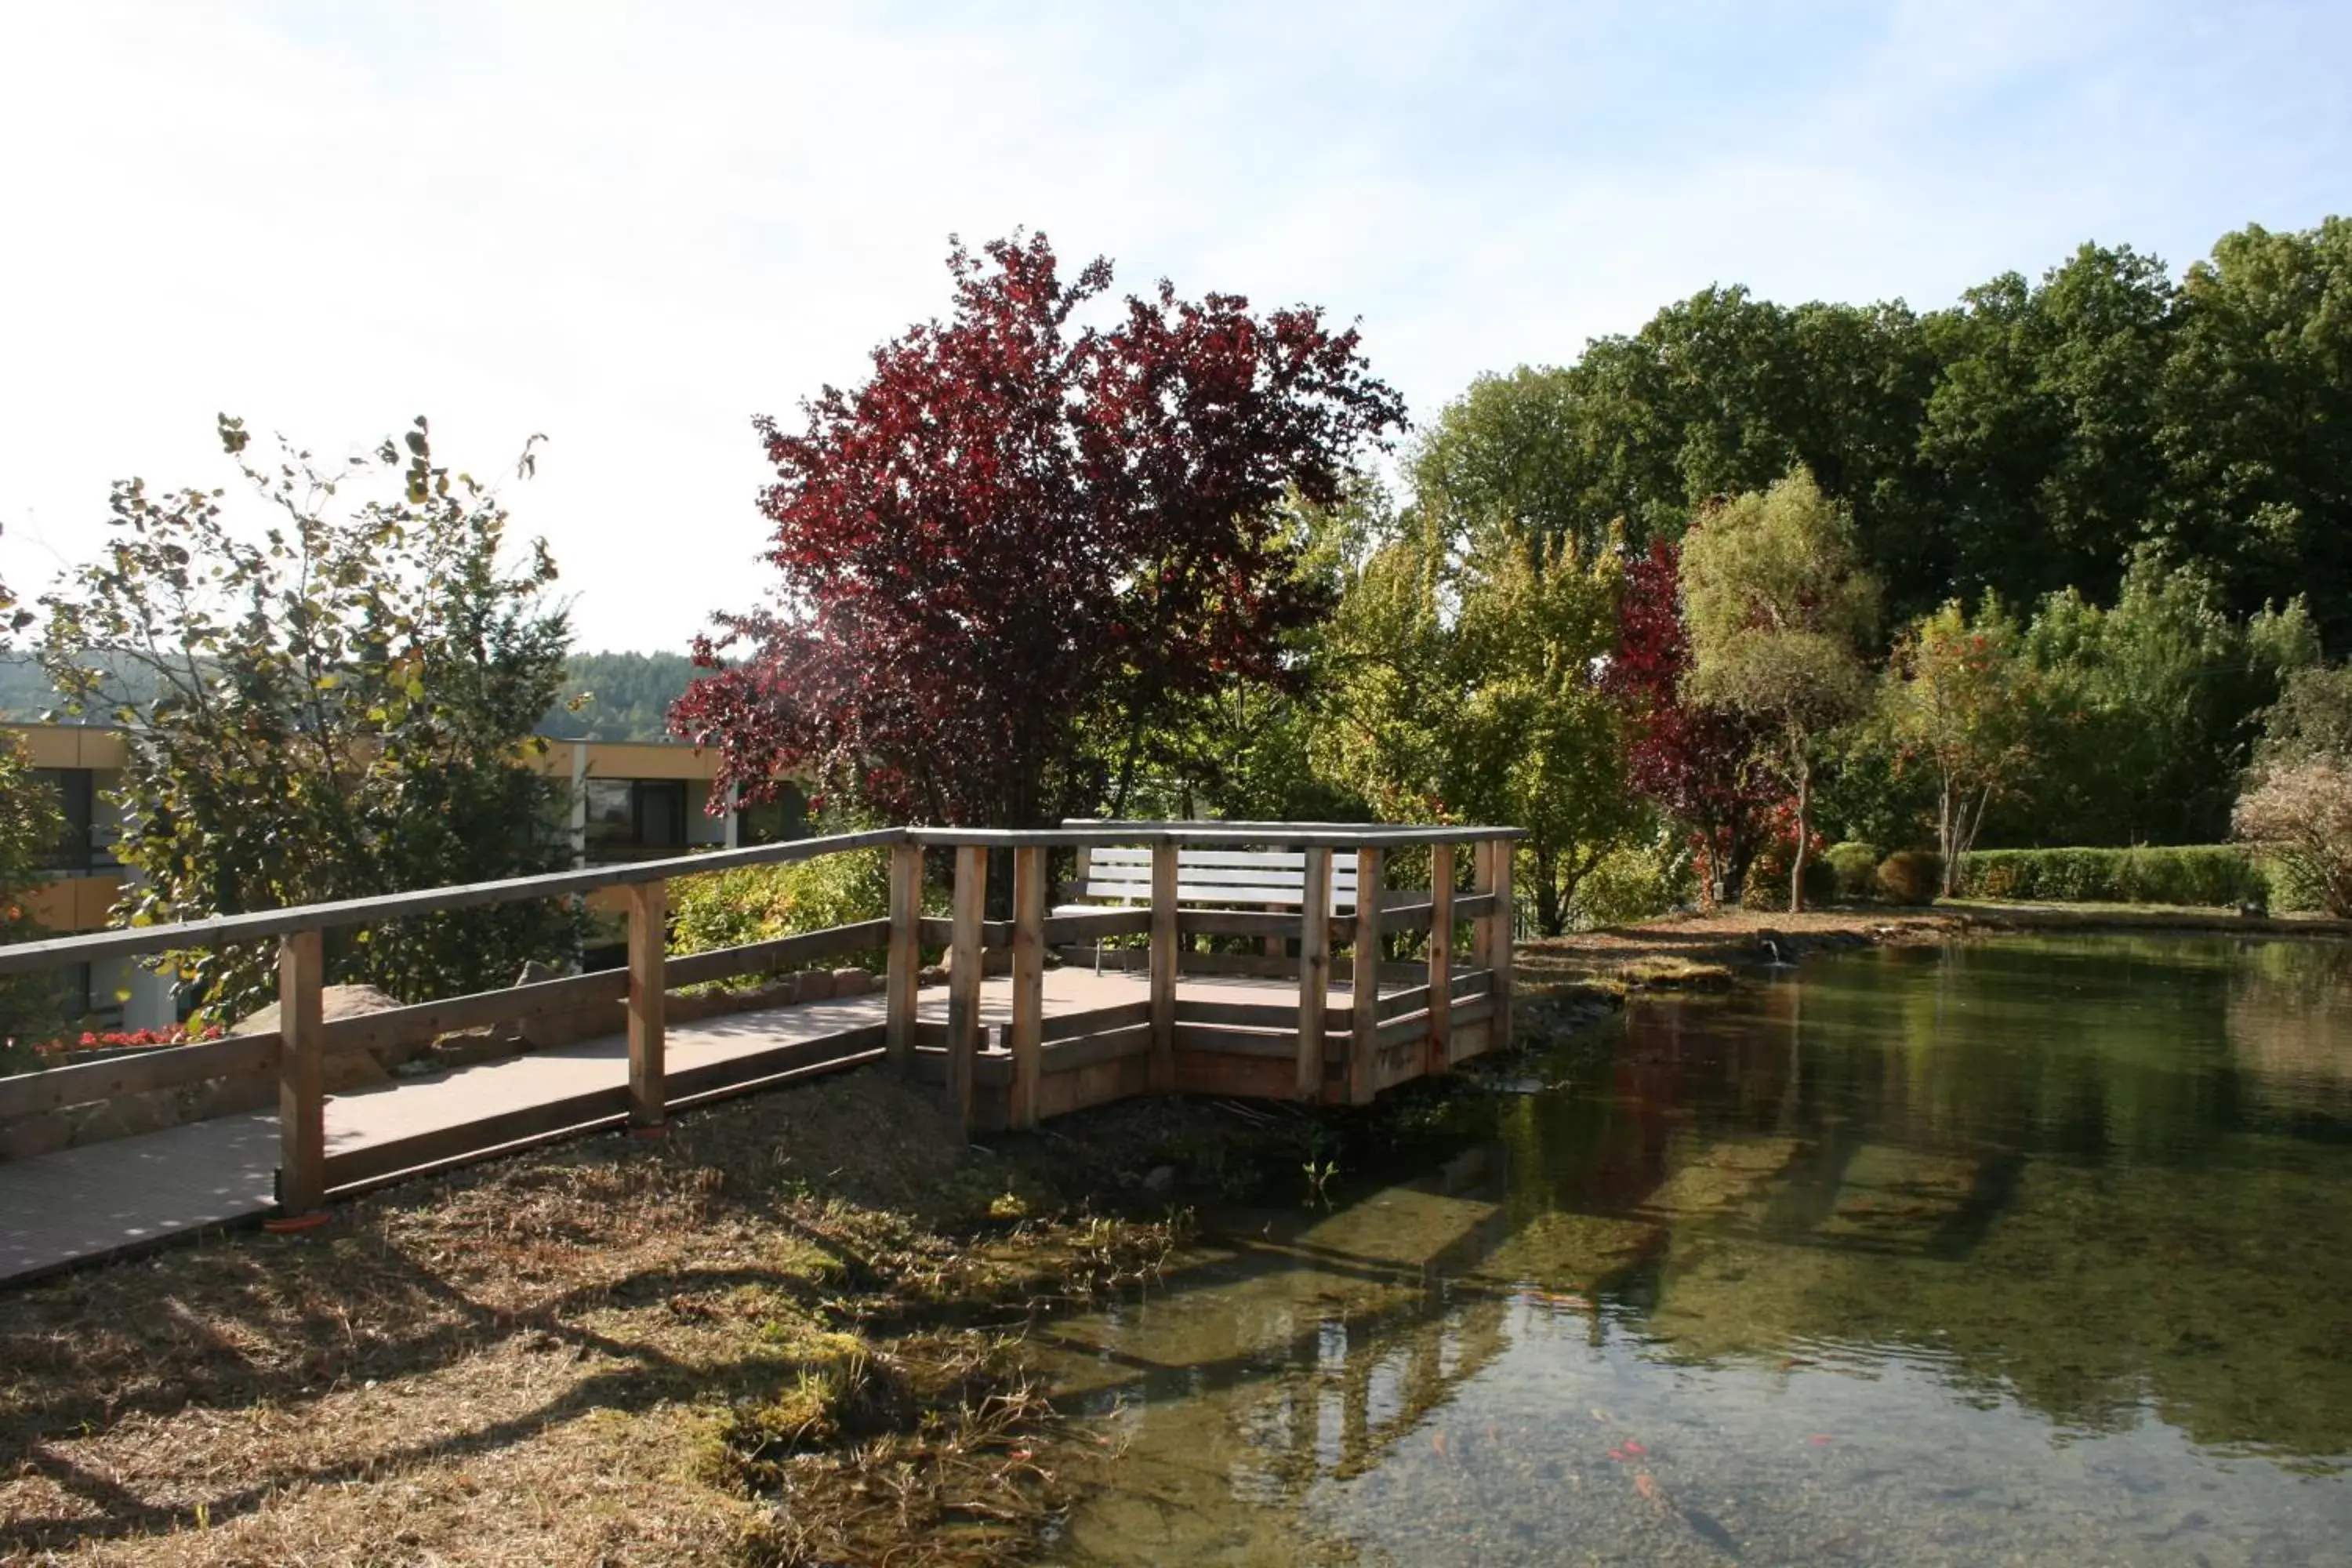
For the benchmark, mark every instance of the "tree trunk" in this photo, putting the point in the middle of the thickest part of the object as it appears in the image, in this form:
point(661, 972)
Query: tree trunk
point(1551, 919)
point(1947, 833)
point(1804, 833)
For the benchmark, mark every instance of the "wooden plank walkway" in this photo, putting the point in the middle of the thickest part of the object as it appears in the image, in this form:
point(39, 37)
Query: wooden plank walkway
point(83, 1205)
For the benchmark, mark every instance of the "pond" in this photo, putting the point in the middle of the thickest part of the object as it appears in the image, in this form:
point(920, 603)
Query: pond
point(2017, 1251)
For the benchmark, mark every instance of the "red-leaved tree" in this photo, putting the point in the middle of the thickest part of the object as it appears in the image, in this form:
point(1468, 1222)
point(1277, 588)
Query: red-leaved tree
point(1021, 540)
point(1697, 764)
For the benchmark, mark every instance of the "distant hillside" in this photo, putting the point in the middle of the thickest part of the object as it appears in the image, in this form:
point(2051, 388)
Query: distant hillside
point(26, 693)
point(629, 696)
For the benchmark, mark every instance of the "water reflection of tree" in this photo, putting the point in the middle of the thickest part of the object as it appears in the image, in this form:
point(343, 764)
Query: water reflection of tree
point(2093, 1207)
point(2289, 1021)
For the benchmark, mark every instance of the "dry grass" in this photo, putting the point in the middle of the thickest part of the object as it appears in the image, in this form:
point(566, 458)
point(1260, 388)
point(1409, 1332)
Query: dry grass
point(577, 1355)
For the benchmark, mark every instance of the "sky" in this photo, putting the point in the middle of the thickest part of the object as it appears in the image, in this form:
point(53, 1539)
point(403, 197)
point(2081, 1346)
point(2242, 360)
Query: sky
point(632, 227)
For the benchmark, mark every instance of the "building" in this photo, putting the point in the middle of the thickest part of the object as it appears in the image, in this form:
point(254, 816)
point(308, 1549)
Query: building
point(629, 801)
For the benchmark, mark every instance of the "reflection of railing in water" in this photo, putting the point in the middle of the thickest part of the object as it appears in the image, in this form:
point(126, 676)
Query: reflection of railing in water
point(1325, 1388)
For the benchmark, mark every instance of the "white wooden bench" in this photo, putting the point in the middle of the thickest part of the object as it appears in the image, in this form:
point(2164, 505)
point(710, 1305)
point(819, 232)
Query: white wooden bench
point(1270, 879)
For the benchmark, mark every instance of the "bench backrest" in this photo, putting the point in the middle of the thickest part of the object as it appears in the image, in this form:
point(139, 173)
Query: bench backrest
point(1273, 878)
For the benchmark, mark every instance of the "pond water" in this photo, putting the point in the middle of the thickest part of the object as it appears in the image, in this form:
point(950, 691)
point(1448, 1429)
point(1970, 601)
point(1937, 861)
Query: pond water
point(2023, 1251)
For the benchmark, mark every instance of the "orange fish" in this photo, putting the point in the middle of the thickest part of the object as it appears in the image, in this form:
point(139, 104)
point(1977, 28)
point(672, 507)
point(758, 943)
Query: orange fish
point(1646, 1485)
point(1634, 1448)
point(1438, 1442)
point(1819, 1439)
point(1618, 1455)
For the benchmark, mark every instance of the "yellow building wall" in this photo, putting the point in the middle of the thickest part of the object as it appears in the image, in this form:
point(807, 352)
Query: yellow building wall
point(74, 903)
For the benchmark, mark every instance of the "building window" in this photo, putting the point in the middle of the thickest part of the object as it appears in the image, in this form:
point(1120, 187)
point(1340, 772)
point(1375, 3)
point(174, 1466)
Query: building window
point(628, 815)
point(72, 853)
point(774, 821)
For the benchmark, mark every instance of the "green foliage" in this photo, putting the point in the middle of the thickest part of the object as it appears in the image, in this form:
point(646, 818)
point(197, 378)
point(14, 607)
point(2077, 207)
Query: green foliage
point(1510, 452)
point(1766, 888)
point(617, 696)
point(1778, 609)
point(1243, 752)
point(1459, 684)
point(30, 826)
point(760, 903)
point(336, 707)
point(2313, 717)
point(1961, 700)
point(2208, 875)
point(2145, 708)
point(1853, 869)
point(1634, 882)
point(1910, 877)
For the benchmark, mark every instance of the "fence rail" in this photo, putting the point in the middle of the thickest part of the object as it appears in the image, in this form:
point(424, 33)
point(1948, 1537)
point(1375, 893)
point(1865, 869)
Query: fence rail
point(1308, 1043)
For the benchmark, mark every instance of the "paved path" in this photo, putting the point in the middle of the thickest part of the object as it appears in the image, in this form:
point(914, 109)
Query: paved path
point(129, 1192)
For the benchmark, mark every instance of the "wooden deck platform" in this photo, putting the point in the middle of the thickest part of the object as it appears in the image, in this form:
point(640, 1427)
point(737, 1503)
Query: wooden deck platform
point(1234, 990)
point(83, 1205)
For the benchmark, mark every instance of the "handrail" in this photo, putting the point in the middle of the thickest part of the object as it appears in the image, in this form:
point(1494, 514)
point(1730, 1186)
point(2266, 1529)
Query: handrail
point(24, 957)
point(1162, 1056)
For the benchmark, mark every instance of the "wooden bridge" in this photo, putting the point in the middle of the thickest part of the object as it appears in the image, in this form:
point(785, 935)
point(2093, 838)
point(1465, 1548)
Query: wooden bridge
point(1213, 973)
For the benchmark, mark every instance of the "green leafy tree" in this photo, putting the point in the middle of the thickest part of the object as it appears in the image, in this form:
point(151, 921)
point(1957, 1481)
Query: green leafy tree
point(1961, 699)
point(2313, 716)
point(30, 827)
point(343, 707)
point(1461, 684)
point(2254, 418)
point(1780, 608)
point(2149, 703)
point(2041, 425)
point(1242, 752)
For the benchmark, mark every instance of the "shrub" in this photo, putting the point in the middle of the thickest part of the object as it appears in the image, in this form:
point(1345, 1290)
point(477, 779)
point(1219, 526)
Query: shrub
point(2300, 814)
point(1766, 887)
point(1855, 868)
point(1635, 883)
point(2197, 874)
point(1911, 877)
point(758, 903)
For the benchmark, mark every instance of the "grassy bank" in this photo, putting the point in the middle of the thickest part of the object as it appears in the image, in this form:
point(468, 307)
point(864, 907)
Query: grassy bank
point(790, 1332)
point(786, 1333)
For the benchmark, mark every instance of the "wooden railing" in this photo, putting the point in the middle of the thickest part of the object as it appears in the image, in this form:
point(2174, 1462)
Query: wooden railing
point(1311, 1047)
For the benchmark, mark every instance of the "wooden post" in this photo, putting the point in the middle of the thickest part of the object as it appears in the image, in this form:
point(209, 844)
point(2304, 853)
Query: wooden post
point(1439, 1056)
point(1364, 1046)
point(1499, 1032)
point(1163, 968)
point(301, 1076)
point(1482, 929)
point(1026, 1037)
point(964, 965)
point(1314, 970)
point(906, 962)
point(648, 940)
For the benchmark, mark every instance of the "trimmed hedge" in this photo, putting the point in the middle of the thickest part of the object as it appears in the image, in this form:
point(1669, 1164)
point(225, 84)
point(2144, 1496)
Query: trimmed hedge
point(2203, 875)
